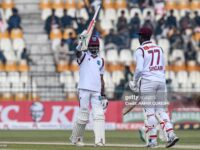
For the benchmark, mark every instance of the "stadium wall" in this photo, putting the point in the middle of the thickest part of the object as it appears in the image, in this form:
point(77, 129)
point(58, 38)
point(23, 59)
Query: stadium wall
point(26, 115)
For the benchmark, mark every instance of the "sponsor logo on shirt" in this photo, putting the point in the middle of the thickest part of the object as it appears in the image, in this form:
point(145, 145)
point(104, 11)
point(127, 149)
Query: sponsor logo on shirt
point(98, 62)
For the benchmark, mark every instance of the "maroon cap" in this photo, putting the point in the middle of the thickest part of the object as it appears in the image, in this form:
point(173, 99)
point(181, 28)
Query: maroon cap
point(94, 41)
point(145, 31)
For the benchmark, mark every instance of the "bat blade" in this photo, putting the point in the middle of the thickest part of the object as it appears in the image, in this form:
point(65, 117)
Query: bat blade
point(87, 35)
point(92, 22)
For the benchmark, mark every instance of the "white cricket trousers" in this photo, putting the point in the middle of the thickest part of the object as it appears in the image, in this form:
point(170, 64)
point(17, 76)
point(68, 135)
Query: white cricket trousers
point(86, 98)
point(153, 96)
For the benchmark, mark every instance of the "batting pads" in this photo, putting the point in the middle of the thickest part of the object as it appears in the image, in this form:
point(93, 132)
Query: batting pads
point(99, 126)
point(162, 132)
point(79, 125)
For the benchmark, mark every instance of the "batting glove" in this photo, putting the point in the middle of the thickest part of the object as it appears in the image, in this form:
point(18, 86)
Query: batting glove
point(83, 36)
point(134, 86)
point(104, 102)
point(82, 41)
point(79, 46)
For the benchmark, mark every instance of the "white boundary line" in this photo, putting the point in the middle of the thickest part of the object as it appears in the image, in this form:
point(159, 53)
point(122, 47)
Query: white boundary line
point(194, 147)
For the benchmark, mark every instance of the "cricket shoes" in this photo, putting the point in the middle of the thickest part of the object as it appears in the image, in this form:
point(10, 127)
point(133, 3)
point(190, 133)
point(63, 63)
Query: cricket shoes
point(152, 145)
point(100, 144)
point(172, 141)
point(78, 142)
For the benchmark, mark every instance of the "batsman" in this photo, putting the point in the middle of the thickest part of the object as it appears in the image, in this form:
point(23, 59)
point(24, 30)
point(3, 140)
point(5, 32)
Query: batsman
point(90, 88)
point(149, 82)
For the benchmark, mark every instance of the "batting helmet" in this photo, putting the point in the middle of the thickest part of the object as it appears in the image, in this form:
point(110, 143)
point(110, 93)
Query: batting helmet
point(93, 45)
point(94, 41)
point(145, 31)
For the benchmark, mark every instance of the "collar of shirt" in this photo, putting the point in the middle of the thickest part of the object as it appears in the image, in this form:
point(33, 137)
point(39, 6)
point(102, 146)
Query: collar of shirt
point(146, 42)
point(93, 56)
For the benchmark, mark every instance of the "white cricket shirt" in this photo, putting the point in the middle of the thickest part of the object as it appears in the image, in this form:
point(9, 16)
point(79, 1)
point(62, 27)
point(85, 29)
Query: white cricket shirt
point(150, 62)
point(91, 69)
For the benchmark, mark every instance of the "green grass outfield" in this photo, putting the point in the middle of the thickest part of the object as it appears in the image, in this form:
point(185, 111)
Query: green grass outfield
point(58, 140)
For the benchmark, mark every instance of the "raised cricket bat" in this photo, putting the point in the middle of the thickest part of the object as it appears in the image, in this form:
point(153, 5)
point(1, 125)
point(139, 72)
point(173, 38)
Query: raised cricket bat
point(86, 34)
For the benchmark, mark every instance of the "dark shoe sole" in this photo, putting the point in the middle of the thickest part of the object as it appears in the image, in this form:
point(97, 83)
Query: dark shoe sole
point(173, 143)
